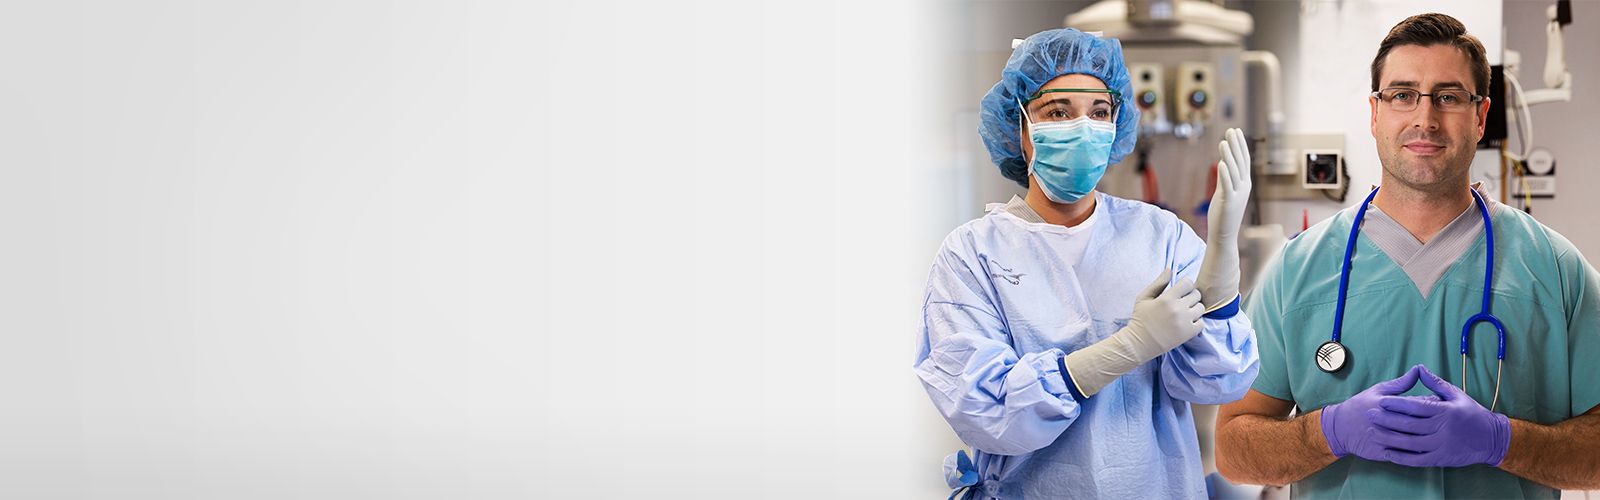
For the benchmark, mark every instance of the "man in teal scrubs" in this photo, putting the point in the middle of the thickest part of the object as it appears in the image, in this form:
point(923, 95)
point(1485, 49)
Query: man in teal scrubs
point(1393, 420)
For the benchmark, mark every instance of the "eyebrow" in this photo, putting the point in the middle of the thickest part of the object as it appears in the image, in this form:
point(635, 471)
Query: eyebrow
point(1436, 86)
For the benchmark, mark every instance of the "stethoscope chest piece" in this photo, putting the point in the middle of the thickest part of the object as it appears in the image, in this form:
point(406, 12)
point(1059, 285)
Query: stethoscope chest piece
point(1331, 356)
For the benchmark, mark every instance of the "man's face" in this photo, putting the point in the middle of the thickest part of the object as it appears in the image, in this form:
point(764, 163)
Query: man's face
point(1427, 149)
point(1060, 106)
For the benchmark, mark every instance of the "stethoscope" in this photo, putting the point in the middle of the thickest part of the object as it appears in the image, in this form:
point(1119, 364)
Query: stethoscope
point(1331, 355)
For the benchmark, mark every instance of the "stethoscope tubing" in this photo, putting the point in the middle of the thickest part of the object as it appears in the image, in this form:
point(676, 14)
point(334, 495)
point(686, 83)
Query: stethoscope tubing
point(1483, 316)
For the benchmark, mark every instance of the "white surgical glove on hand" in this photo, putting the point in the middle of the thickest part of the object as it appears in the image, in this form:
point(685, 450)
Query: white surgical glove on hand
point(1218, 279)
point(1162, 320)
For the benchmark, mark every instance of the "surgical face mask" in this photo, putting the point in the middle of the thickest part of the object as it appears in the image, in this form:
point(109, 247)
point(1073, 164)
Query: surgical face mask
point(1070, 157)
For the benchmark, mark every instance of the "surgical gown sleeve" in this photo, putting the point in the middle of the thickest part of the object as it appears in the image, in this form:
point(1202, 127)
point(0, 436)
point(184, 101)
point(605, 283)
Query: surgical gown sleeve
point(997, 401)
point(1218, 365)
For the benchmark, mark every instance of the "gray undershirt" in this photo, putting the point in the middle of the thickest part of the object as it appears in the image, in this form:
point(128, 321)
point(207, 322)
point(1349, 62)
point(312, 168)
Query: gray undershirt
point(1019, 207)
point(1425, 262)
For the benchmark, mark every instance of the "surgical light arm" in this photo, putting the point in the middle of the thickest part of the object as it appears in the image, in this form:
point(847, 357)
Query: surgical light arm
point(1278, 155)
point(1556, 75)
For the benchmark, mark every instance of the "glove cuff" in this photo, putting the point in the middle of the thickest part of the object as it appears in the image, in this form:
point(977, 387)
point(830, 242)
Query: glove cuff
point(1088, 370)
point(1224, 311)
point(1502, 440)
point(1072, 385)
point(1328, 418)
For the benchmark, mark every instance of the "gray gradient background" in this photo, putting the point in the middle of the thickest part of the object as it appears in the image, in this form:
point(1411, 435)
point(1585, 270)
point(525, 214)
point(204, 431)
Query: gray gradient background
point(362, 249)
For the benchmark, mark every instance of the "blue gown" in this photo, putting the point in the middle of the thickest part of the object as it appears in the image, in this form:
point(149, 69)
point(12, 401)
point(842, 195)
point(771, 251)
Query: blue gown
point(1002, 308)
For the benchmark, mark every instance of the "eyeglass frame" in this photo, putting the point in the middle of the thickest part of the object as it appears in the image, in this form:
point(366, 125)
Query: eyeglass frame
point(1116, 99)
point(1472, 98)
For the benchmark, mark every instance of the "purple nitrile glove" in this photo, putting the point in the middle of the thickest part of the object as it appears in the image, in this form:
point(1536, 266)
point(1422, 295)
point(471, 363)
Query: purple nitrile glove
point(1452, 431)
point(1345, 424)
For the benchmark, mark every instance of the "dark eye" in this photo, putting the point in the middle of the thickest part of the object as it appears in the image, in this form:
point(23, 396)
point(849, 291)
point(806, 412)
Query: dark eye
point(1101, 114)
point(1056, 113)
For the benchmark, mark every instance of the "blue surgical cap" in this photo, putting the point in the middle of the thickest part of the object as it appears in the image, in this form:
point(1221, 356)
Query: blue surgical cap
point(1041, 58)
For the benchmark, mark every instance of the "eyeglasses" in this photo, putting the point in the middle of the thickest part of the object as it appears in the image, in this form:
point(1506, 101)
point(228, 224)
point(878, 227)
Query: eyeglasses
point(1116, 97)
point(1057, 110)
point(1403, 99)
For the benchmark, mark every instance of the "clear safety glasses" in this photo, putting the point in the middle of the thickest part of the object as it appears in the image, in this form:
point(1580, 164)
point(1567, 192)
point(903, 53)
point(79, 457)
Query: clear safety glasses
point(1056, 105)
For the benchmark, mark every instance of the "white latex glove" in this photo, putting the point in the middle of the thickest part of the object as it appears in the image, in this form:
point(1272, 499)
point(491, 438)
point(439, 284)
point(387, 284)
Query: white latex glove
point(1163, 318)
point(1218, 279)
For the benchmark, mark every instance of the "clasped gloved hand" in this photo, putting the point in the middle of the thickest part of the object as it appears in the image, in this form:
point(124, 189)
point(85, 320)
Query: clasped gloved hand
point(1164, 317)
point(1218, 279)
point(1347, 425)
point(1448, 429)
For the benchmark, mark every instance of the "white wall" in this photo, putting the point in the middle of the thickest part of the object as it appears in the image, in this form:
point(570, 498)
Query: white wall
point(479, 249)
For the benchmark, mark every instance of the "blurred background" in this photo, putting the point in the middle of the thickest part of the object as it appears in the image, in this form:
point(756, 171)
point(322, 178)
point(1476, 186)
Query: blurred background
point(1294, 75)
point(494, 249)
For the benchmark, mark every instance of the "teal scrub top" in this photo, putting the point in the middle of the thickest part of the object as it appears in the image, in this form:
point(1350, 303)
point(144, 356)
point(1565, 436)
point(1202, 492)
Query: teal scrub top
point(1544, 291)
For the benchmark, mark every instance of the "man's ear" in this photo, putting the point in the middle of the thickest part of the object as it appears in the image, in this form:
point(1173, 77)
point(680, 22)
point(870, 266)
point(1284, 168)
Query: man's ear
point(1372, 102)
point(1483, 116)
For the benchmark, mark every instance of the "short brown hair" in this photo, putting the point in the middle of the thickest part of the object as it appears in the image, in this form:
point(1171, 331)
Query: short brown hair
point(1435, 29)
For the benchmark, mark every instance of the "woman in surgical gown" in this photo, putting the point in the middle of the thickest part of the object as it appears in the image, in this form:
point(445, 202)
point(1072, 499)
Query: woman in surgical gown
point(1011, 299)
